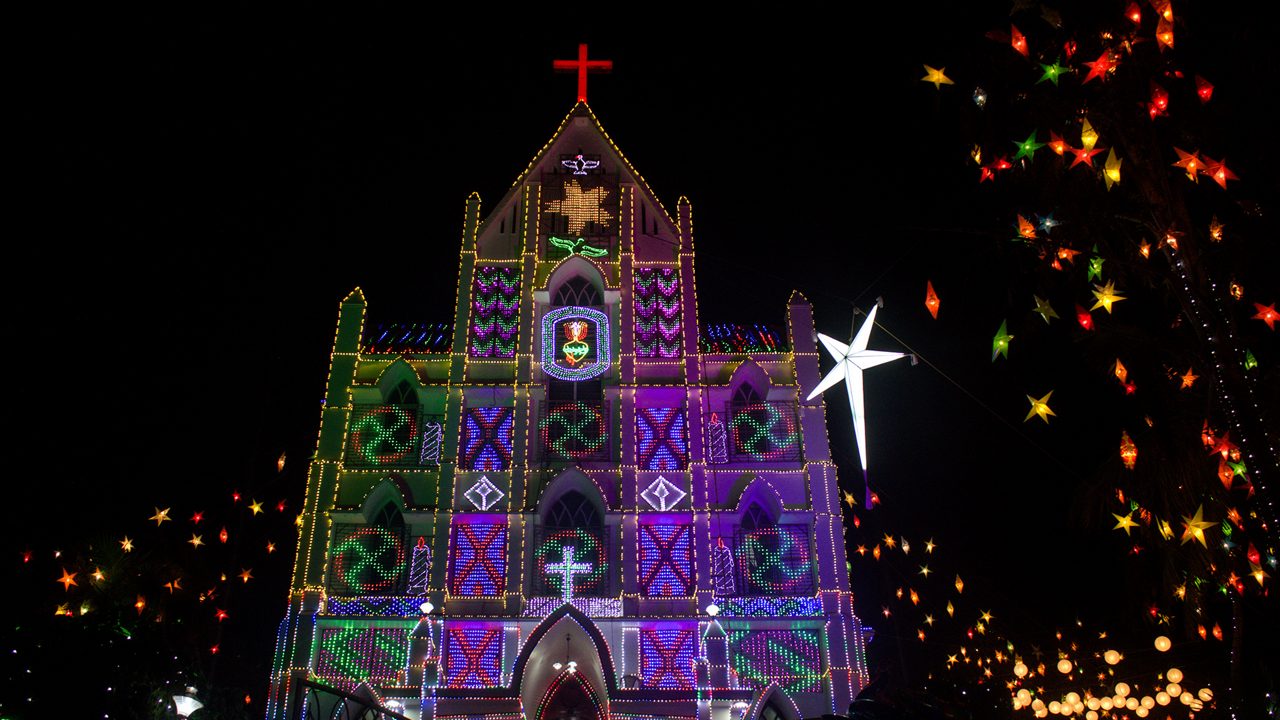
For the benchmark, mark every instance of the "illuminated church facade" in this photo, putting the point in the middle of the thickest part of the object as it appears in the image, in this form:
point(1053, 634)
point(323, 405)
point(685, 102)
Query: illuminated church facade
point(575, 500)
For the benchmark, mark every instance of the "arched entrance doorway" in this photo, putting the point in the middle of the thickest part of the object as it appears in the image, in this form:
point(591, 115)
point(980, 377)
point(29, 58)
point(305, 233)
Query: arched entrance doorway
point(570, 697)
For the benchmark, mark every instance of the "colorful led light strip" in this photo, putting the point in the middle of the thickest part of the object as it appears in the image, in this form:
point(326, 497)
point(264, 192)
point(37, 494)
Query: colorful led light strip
point(657, 312)
point(382, 435)
point(552, 359)
point(662, 439)
point(358, 653)
point(775, 561)
point(473, 657)
point(587, 548)
point(573, 431)
point(367, 560)
point(487, 442)
point(666, 560)
point(666, 658)
point(477, 559)
point(495, 305)
point(771, 607)
point(791, 658)
point(765, 432)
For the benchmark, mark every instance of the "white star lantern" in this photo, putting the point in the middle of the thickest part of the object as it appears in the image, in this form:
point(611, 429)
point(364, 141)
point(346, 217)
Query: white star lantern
point(851, 360)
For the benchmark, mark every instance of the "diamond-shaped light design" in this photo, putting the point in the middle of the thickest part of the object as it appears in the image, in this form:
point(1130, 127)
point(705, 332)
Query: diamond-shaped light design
point(484, 494)
point(662, 494)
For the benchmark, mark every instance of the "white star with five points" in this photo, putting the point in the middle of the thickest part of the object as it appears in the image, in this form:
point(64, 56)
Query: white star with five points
point(851, 360)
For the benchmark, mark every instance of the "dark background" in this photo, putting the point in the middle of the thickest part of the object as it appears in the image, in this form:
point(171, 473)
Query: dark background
point(198, 190)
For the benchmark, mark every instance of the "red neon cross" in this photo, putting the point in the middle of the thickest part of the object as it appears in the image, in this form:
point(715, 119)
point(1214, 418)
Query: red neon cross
point(582, 65)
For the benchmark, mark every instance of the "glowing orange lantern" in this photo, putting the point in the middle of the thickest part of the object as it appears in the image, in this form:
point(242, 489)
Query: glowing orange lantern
point(1128, 451)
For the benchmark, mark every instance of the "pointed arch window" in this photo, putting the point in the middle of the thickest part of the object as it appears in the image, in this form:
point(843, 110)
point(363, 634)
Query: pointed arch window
point(573, 546)
point(403, 394)
point(389, 517)
point(578, 291)
point(756, 517)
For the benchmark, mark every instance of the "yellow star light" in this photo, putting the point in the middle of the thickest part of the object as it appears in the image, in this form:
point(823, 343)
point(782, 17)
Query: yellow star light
point(63, 609)
point(1126, 522)
point(160, 517)
point(1111, 169)
point(1189, 379)
point(67, 580)
point(929, 545)
point(937, 77)
point(889, 542)
point(271, 547)
point(298, 520)
point(255, 506)
point(951, 609)
point(1195, 526)
point(98, 575)
point(924, 570)
point(581, 207)
point(246, 575)
point(928, 620)
point(1044, 308)
point(1040, 407)
point(959, 585)
point(986, 616)
point(195, 541)
point(1258, 573)
point(126, 544)
point(1166, 530)
point(1106, 295)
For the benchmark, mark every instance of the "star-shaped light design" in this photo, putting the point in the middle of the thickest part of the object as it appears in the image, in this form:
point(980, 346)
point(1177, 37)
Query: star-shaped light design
point(581, 206)
point(160, 517)
point(1267, 314)
point(255, 507)
point(1111, 169)
point(1217, 169)
point(1125, 522)
point(98, 575)
point(1027, 148)
point(126, 544)
point(1084, 156)
point(937, 76)
point(67, 580)
point(1044, 308)
point(1100, 67)
point(1195, 526)
point(1039, 407)
point(1190, 162)
point(246, 574)
point(1189, 379)
point(851, 360)
point(1000, 343)
point(195, 541)
point(924, 570)
point(929, 545)
point(1106, 295)
point(1095, 267)
point(1052, 72)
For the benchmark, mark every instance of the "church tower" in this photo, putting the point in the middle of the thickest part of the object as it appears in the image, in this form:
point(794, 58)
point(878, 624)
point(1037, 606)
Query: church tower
point(575, 500)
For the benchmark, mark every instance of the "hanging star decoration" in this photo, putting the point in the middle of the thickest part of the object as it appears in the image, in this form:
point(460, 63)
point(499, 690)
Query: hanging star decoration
point(1018, 41)
point(1195, 526)
point(195, 541)
point(1052, 72)
point(126, 544)
point(1189, 379)
point(1215, 230)
point(160, 517)
point(937, 76)
point(1088, 136)
point(1190, 163)
point(98, 575)
point(246, 574)
point(851, 360)
point(1095, 266)
point(581, 206)
point(255, 506)
point(1027, 148)
point(1044, 308)
point(1111, 169)
point(1125, 523)
point(1267, 314)
point(1100, 68)
point(1106, 295)
point(1040, 407)
point(1046, 223)
point(1217, 169)
point(67, 580)
point(1026, 231)
point(1000, 343)
point(1085, 156)
point(931, 300)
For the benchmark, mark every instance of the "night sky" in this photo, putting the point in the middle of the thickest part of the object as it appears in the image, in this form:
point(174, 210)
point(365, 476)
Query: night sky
point(197, 192)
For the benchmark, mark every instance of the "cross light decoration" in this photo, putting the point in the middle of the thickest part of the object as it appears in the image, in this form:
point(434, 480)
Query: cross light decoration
point(567, 569)
point(582, 66)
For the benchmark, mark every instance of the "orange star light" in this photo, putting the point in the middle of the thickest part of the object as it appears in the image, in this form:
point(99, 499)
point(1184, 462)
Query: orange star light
point(1189, 379)
point(67, 580)
point(1267, 314)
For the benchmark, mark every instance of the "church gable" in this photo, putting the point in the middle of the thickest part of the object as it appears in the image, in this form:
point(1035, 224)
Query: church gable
point(579, 196)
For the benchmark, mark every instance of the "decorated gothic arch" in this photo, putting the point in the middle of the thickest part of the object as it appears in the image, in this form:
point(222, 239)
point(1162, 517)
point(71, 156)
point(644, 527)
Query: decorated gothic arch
point(571, 480)
point(392, 489)
point(565, 635)
point(399, 384)
point(569, 269)
point(771, 703)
